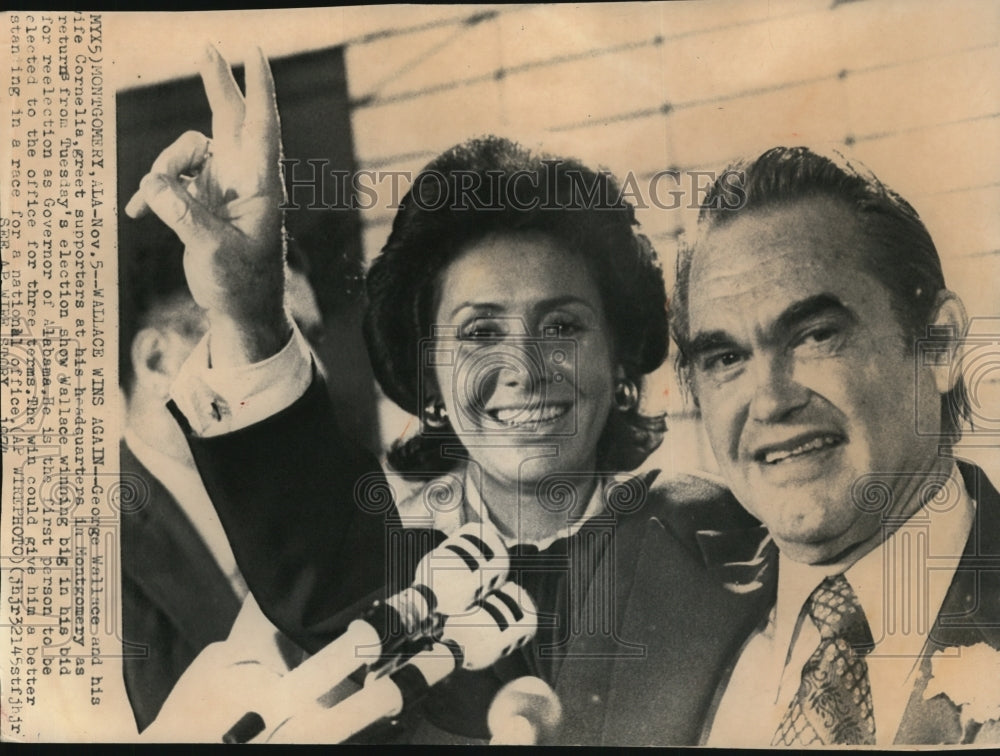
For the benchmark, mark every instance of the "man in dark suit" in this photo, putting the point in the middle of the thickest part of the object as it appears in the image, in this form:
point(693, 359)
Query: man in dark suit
point(820, 344)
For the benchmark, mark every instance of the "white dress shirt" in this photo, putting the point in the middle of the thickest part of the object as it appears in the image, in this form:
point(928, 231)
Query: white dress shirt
point(900, 585)
point(475, 505)
point(217, 400)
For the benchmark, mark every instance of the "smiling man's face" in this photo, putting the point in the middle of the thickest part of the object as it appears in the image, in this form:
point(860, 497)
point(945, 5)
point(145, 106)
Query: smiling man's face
point(804, 377)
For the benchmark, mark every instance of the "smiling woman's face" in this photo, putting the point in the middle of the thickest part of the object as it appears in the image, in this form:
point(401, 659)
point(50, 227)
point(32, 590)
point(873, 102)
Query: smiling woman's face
point(524, 360)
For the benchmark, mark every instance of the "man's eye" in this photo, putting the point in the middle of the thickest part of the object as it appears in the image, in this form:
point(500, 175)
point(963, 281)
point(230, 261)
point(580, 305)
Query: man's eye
point(721, 361)
point(820, 334)
point(821, 337)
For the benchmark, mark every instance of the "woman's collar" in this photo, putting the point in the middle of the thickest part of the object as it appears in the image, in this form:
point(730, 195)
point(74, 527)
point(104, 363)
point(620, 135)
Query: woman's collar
point(476, 510)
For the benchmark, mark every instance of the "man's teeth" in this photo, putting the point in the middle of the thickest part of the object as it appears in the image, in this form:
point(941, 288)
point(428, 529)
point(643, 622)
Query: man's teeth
point(521, 416)
point(814, 445)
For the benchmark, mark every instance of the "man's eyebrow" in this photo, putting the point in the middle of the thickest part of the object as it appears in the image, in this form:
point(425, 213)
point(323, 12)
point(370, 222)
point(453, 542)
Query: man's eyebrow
point(793, 315)
point(708, 341)
point(810, 307)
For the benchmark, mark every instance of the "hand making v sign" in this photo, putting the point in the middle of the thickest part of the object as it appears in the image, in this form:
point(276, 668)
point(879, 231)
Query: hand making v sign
point(222, 197)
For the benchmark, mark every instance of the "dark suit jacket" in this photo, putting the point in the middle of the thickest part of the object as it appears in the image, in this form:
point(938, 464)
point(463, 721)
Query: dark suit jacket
point(285, 491)
point(175, 599)
point(693, 629)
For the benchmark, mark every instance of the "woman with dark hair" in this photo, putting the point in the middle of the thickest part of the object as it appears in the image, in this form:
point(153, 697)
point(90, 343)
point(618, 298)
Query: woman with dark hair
point(583, 301)
point(515, 310)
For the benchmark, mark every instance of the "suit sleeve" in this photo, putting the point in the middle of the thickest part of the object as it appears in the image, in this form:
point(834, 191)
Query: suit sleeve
point(284, 489)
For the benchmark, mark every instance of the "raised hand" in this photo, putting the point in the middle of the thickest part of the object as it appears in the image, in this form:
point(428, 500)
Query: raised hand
point(221, 196)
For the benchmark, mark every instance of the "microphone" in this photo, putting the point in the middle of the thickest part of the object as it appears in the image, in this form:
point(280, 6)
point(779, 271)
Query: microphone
point(495, 626)
point(525, 711)
point(449, 579)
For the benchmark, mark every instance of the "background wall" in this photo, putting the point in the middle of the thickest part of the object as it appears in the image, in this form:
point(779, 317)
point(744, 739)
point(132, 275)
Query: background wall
point(912, 88)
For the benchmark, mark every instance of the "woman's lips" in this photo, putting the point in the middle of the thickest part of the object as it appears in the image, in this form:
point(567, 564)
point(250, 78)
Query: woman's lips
point(530, 416)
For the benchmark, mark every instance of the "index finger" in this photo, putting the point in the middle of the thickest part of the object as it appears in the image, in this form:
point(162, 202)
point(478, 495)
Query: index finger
point(224, 96)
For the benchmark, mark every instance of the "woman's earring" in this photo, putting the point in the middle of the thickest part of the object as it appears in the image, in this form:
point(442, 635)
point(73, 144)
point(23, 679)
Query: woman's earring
point(435, 415)
point(626, 395)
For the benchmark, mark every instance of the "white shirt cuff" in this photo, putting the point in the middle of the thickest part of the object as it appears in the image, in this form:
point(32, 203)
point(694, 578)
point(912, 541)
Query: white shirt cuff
point(224, 399)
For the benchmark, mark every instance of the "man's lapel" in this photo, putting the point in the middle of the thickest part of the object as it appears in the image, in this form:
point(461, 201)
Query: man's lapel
point(166, 559)
point(970, 615)
point(970, 612)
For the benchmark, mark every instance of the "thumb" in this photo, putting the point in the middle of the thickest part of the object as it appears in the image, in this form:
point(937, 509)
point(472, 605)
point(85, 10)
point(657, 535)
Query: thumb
point(187, 217)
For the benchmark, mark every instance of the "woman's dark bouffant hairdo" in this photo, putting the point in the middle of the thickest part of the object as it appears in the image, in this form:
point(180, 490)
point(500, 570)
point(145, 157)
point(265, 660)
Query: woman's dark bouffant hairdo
point(488, 186)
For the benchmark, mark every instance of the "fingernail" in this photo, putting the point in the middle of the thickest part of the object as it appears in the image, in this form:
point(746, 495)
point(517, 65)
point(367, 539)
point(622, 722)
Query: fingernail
point(211, 54)
point(261, 57)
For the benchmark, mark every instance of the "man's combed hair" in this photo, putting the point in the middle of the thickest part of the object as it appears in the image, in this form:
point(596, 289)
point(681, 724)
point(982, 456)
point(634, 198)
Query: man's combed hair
point(490, 186)
point(902, 256)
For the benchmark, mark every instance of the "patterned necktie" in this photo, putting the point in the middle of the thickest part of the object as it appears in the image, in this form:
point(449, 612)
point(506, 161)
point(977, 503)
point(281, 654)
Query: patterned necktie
point(833, 704)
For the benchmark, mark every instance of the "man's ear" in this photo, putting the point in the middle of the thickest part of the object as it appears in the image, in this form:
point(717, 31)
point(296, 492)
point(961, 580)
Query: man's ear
point(149, 361)
point(950, 318)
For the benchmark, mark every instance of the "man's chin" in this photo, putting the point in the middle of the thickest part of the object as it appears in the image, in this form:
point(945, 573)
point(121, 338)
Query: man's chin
point(806, 552)
point(790, 500)
point(827, 542)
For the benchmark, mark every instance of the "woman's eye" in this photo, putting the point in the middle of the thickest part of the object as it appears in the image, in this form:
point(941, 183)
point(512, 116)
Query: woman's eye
point(482, 330)
point(562, 328)
point(565, 329)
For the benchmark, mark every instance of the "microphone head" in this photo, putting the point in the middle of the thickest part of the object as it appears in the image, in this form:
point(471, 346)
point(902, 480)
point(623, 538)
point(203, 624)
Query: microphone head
point(494, 627)
point(466, 566)
point(525, 711)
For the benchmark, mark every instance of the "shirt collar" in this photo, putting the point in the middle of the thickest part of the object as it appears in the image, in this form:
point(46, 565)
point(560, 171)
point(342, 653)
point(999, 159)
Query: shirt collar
point(900, 584)
point(174, 474)
point(903, 582)
point(184, 484)
point(478, 511)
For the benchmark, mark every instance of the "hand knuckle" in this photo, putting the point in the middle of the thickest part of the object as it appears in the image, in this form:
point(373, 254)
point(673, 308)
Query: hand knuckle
point(183, 213)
